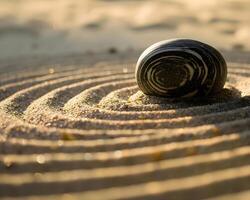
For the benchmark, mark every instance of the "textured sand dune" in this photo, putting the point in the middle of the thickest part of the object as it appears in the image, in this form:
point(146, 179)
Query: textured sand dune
point(77, 127)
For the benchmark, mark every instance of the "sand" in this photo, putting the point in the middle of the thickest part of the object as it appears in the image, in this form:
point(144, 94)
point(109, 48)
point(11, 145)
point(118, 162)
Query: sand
point(74, 125)
point(44, 27)
point(78, 127)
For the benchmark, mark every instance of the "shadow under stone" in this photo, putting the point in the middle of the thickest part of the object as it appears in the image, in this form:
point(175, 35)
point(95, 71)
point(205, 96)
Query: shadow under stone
point(224, 96)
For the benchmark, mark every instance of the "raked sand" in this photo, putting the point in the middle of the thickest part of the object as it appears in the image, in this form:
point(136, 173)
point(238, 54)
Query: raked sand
point(74, 125)
point(77, 127)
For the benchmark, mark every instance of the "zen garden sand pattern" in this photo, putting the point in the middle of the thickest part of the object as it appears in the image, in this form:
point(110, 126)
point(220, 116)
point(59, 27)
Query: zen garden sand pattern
point(75, 125)
point(83, 128)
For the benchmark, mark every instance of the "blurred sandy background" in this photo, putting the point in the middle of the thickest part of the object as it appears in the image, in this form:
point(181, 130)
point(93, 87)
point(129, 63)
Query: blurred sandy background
point(45, 27)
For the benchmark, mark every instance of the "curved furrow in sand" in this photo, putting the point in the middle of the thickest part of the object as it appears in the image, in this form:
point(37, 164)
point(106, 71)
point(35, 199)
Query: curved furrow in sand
point(11, 88)
point(146, 103)
point(121, 171)
point(71, 91)
point(117, 102)
point(187, 186)
point(21, 100)
point(62, 161)
point(87, 96)
point(140, 124)
point(243, 194)
point(85, 129)
point(11, 78)
point(120, 176)
point(27, 131)
point(16, 145)
point(63, 94)
point(195, 184)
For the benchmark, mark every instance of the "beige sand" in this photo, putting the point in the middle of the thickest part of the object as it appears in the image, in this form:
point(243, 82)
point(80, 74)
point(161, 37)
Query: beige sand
point(78, 128)
point(29, 27)
point(73, 124)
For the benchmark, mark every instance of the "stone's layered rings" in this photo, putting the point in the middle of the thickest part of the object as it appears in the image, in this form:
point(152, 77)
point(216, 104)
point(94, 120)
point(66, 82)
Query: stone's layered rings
point(181, 68)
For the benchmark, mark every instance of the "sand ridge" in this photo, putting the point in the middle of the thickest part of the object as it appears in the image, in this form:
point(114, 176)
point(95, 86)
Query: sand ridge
point(79, 128)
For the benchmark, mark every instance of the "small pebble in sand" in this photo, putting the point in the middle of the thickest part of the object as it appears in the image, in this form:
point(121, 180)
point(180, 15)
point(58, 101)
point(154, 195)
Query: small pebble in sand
point(181, 68)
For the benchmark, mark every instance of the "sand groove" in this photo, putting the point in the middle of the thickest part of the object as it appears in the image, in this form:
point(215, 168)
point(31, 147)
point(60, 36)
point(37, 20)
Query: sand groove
point(85, 131)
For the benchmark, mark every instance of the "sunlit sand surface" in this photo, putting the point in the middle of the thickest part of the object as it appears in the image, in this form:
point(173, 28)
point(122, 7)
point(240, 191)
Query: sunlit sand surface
point(62, 26)
point(74, 125)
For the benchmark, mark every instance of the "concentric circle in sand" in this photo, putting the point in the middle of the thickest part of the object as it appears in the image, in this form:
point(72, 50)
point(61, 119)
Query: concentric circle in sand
point(79, 128)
